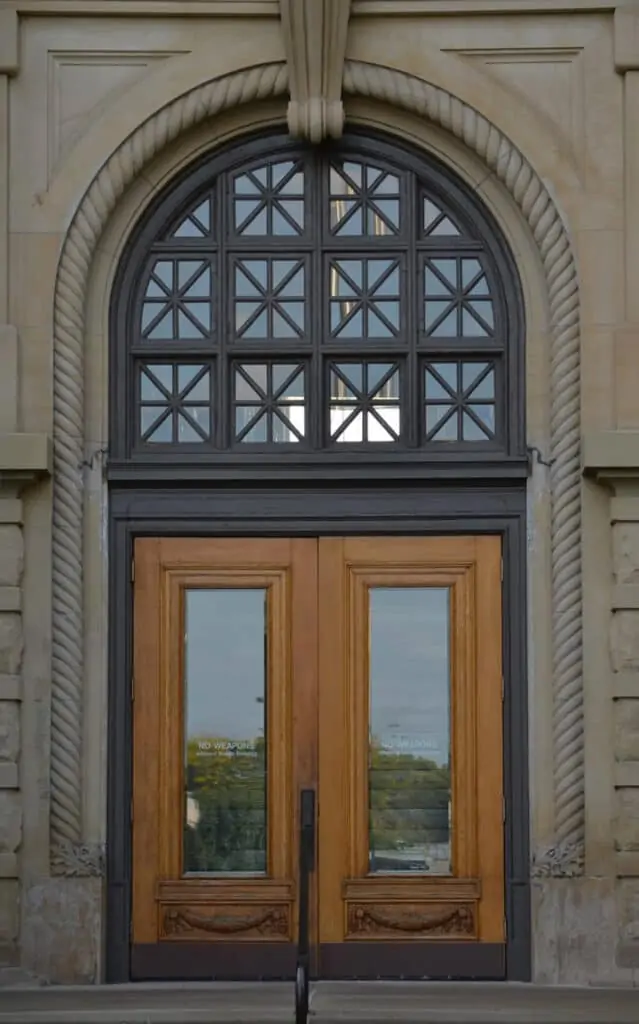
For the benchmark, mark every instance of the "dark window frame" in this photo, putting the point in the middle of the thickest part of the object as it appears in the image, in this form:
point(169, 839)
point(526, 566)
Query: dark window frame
point(504, 456)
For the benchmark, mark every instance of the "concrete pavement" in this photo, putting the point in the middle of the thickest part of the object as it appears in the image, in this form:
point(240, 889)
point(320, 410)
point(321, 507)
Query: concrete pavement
point(347, 1002)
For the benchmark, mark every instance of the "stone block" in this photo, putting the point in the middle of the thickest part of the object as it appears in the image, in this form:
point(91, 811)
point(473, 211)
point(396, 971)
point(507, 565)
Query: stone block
point(11, 641)
point(625, 552)
point(9, 911)
point(10, 821)
point(626, 719)
point(574, 929)
point(11, 555)
point(626, 819)
point(624, 640)
point(628, 904)
point(9, 730)
point(61, 930)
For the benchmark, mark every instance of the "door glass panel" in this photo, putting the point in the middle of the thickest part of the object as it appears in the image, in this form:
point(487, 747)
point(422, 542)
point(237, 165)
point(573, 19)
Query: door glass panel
point(409, 746)
point(225, 731)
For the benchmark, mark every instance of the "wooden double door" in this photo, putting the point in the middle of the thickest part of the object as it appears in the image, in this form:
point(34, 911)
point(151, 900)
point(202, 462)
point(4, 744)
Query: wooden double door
point(367, 670)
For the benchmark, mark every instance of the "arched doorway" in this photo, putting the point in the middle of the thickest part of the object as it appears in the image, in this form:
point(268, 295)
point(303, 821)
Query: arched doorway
point(317, 471)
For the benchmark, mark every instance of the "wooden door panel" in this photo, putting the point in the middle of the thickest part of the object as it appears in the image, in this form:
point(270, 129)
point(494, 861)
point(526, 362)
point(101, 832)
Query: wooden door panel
point(357, 903)
point(172, 904)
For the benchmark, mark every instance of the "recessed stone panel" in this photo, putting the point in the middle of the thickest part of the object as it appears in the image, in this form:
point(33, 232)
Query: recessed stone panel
point(9, 730)
point(626, 819)
point(11, 555)
point(10, 821)
point(624, 640)
point(9, 911)
point(625, 547)
point(628, 909)
point(80, 83)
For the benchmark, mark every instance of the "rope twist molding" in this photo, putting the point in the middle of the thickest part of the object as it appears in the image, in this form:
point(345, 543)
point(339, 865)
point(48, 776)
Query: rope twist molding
point(502, 157)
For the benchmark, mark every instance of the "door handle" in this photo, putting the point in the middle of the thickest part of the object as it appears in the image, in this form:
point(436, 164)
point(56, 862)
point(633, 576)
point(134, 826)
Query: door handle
point(307, 828)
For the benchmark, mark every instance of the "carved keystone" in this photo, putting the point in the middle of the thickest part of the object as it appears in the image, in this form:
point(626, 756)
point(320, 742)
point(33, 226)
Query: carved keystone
point(315, 34)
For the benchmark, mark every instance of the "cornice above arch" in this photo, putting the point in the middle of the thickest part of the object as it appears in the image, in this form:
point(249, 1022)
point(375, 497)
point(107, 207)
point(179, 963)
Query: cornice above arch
point(511, 168)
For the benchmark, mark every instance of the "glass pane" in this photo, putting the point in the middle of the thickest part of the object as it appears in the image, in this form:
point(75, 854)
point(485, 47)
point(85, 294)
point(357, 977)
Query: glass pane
point(156, 424)
point(225, 731)
point(409, 755)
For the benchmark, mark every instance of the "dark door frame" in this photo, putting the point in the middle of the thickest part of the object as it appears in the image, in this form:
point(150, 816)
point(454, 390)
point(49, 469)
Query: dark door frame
point(316, 509)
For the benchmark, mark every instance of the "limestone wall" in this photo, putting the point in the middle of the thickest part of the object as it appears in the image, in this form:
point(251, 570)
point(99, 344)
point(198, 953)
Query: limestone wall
point(76, 80)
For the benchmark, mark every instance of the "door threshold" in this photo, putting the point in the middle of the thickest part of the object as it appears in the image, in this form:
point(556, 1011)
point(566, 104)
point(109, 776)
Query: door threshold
point(376, 1002)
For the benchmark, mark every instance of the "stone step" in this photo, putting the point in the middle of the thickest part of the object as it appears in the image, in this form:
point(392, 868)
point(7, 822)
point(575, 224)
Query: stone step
point(343, 1002)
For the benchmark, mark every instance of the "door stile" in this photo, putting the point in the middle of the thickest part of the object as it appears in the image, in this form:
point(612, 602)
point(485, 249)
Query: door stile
point(490, 725)
point(304, 640)
point(147, 654)
point(334, 724)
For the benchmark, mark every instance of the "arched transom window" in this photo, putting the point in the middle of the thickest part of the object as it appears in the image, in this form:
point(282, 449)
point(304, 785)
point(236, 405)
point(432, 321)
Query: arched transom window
point(339, 299)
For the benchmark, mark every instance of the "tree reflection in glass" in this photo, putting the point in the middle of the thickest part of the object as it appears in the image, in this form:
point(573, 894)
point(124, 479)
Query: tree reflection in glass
point(225, 730)
point(409, 748)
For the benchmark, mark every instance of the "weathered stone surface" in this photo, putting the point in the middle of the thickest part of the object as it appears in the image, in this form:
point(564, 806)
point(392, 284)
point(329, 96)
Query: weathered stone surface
point(626, 819)
point(10, 821)
point(625, 552)
point(624, 640)
point(626, 719)
point(11, 555)
point(9, 730)
point(55, 909)
point(574, 927)
point(9, 911)
point(15, 977)
point(628, 904)
point(10, 643)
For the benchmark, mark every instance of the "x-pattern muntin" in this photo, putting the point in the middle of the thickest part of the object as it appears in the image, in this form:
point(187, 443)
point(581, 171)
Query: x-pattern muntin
point(365, 399)
point(457, 294)
point(273, 399)
point(175, 402)
point(367, 296)
point(270, 298)
point(459, 399)
point(175, 298)
point(363, 196)
point(268, 197)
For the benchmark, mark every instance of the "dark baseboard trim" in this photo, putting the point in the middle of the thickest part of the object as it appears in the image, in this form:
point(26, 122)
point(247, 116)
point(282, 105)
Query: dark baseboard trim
point(413, 960)
point(213, 961)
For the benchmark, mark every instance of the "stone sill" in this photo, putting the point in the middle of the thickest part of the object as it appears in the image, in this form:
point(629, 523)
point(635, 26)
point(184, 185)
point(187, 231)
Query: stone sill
point(611, 454)
point(25, 456)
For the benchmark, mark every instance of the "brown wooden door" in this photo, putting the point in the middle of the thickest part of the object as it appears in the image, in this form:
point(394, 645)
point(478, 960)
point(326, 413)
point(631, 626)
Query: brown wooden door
point(411, 861)
point(368, 669)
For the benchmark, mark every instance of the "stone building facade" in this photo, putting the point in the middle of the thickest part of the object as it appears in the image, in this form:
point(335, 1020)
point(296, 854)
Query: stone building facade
point(532, 107)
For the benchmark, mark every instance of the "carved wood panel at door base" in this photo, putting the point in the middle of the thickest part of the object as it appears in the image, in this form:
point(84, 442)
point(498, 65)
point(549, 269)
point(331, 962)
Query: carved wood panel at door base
point(225, 922)
point(427, 921)
point(210, 910)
